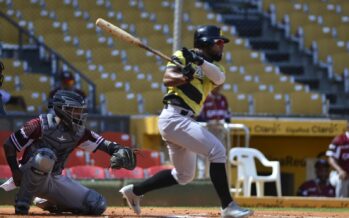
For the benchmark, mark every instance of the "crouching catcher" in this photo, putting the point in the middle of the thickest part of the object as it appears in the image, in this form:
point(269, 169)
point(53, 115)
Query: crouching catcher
point(47, 142)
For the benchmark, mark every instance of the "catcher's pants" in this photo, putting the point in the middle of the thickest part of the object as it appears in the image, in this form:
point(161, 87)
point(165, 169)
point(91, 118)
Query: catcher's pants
point(57, 189)
point(342, 186)
point(185, 138)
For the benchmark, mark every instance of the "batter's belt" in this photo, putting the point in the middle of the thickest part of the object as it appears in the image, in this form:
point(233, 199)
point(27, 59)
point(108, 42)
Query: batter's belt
point(181, 111)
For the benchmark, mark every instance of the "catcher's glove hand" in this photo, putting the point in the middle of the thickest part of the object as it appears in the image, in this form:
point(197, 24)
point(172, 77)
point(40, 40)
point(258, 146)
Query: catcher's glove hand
point(123, 158)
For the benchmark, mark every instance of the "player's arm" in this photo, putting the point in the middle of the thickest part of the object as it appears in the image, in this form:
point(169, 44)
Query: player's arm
point(174, 77)
point(121, 156)
point(334, 164)
point(17, 142)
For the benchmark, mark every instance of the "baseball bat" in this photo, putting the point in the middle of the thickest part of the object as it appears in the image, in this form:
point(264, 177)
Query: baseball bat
point(127, 37)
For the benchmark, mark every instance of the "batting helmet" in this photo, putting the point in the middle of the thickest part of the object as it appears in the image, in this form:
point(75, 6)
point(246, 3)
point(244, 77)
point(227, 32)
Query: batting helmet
point(206, 36)
point(71, 108)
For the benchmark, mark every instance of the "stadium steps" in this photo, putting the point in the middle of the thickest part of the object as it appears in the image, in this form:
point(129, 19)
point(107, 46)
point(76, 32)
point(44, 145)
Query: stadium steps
point(282, 52)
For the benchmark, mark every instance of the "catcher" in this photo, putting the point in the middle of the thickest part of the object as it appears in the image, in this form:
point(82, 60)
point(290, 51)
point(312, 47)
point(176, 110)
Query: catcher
point(47, 141)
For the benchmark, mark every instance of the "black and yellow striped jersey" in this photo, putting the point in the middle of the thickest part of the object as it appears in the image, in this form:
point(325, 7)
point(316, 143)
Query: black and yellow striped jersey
point(192, 94)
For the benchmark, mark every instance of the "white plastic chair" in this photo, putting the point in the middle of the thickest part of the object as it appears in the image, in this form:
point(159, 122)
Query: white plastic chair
point(243, 158)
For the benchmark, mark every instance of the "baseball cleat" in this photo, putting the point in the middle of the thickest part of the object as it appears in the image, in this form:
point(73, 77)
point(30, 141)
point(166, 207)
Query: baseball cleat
point(133, 200)
point(234, 211)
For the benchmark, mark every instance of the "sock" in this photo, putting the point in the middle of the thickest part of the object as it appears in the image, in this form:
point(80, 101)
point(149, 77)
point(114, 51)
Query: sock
point(162, 179)
point(219, 179)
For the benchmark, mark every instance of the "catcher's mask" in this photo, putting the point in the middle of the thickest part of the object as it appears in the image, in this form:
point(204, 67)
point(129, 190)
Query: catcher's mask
point(71, 108)
point(207, 35)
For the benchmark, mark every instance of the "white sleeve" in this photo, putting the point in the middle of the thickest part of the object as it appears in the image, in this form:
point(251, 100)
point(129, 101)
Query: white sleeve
point(213, 73)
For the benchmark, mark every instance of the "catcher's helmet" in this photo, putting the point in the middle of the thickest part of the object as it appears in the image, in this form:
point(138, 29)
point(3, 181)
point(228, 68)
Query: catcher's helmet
point(206, 35)
point(71, 108)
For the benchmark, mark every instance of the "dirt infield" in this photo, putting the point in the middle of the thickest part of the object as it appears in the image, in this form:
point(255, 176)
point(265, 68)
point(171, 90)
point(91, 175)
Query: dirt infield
point(177, 212)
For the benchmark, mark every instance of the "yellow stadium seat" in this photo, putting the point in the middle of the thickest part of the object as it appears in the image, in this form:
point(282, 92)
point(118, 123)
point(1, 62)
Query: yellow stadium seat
point(98, 12)
point(78, 27)
point(238, 103)
point(272, 78)
point(340, 62)
point(328, 47)
point(71, 54)
point(306, 103)
point(343, 32)
point(152, 103)
point(320, 8)
point(345, 8)
point(154, 6)
point(237, 78)
point(244, 57)
point(299, 19)
point(35, 101)
point(259, 68)
point(139, 86)
point(87, 5)
point(9, 33)
point(36, 82)
point(121, 103)
point(12, 66)
point(102, 55)
point(314, 33)
point(331, 20)
point(285, 87)
point(113, 67)
point(269, 103)
point(283, 8)
point(126, 76)
point(11, 83)
point(252, 87)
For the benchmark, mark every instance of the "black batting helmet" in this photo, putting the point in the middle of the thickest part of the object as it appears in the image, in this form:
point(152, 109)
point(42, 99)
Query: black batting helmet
point(206, 35)
point(71, 108)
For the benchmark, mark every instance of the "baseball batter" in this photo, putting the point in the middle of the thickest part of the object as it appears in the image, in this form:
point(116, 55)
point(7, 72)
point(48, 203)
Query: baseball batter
point(47, 141)
point(185, 138)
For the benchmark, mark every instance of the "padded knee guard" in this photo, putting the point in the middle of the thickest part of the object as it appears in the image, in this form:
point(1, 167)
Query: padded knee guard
point(43, 161)
point(94, 203)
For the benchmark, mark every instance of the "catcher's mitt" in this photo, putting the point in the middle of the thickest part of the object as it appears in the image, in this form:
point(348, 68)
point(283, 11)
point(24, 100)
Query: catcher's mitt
point(124, 158)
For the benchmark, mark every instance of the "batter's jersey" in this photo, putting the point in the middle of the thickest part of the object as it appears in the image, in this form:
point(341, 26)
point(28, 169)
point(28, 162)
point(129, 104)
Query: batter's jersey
point(314, 188)
point(215, 108)
point(61, 140)
point(339, 150)
point(192, 94)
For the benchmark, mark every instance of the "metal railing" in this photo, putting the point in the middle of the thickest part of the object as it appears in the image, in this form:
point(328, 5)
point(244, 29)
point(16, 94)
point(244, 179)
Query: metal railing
point(55, 58)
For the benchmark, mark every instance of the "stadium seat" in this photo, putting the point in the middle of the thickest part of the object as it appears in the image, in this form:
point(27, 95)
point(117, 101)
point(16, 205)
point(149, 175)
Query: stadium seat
point(244, 159)
point(306, 103)
point(238, 103)
point(87, 172)
point(121, 103)
point(151, 171)
point(36, 82)
point(76, 158)
point(137, 173)
point(269, 103)
point(148, 158)
point(5, 172)
point(151, 102)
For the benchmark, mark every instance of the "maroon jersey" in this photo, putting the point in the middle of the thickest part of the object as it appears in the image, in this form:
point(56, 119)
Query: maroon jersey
point(314, 188)
point(215, 108)
point(339, 150)
point(35, 134)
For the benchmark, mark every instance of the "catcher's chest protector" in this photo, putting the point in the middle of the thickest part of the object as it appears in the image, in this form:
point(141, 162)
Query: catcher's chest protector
point(61, 140)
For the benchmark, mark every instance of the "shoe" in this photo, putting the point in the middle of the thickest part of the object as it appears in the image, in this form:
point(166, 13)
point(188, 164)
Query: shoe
point(46, 205)
point(21, 208)
point(133, 200)
point(234, 211)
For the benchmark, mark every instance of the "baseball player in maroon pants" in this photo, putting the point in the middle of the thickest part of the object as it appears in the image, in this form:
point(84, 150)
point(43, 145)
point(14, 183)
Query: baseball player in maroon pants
point(185, 138)
point(47, 141)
